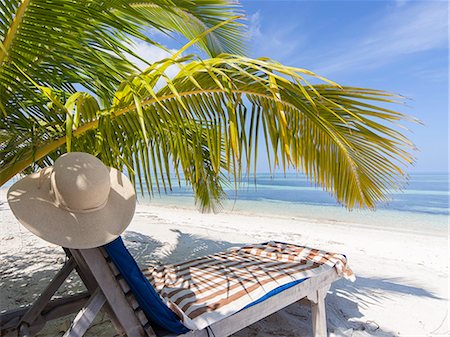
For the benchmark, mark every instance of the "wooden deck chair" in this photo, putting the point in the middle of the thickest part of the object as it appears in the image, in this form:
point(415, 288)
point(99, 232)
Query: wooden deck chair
point(109, 290)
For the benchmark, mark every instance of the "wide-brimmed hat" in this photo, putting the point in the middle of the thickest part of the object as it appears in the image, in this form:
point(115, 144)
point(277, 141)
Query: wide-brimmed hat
point(76, 203)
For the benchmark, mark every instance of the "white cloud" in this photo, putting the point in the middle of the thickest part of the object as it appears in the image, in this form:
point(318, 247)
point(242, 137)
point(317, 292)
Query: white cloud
point(276, 41)
point(151, 54)
point(254, 28)
point(401, 3)
point(411, 28)
point(148, 52)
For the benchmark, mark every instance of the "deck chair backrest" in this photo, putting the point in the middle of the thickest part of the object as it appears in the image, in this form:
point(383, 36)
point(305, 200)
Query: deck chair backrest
point(159, 314)
point(98, 271)
point(131, 299)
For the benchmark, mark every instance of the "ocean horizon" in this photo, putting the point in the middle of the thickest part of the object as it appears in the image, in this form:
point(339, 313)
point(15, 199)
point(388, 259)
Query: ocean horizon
point(423, 206)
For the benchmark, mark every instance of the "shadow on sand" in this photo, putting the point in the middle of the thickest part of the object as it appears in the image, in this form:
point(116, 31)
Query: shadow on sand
point(346, 299)
point(21, 281)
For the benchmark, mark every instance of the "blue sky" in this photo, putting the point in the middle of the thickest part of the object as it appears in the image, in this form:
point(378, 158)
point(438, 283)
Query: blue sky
point(399, 46)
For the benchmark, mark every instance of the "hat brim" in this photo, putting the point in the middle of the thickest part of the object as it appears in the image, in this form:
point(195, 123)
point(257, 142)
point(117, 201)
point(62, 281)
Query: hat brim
point(32, 204)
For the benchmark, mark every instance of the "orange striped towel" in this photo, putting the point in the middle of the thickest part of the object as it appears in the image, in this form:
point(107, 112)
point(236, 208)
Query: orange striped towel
point(208, 289)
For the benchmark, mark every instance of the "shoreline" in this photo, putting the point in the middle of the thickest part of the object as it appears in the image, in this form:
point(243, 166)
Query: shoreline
point(436, 225)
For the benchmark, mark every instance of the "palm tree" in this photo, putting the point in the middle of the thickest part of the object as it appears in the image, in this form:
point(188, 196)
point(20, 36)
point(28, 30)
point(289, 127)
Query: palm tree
point(203, 123)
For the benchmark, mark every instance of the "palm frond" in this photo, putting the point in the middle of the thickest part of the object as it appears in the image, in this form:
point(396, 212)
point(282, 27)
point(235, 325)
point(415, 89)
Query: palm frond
point(210, 118)
point(62, 44)
point(189, 19)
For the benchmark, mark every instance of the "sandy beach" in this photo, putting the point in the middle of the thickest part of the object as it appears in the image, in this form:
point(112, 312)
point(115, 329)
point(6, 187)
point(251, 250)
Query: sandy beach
point(401, 286)
point(322, 124)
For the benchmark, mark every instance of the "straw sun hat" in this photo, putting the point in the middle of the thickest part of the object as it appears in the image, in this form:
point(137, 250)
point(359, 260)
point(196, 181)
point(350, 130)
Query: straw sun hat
point(76, 203)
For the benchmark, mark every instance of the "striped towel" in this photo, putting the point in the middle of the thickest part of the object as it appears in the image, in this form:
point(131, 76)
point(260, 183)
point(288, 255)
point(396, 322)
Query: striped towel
point(208, 289)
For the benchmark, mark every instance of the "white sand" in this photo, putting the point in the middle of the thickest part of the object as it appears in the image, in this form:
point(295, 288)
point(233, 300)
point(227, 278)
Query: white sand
point(401, 287)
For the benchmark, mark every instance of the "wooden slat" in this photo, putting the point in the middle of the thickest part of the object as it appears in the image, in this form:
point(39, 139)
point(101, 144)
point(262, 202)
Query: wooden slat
point(86, 315)
point(31, 316)
point(104, 252)
point(37, 307)
point(83, 271)
point(65, 306)
point(90, 283)
point(112, 291)
point(132, 301)
point(123, 285)
point(54, 309)
point(141, 317)
point(128, 294)
point(10, 320)
point(148, 329)
point(113, 268)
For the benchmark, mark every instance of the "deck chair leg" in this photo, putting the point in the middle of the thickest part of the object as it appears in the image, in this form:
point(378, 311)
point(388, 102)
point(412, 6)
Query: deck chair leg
point(114, 295)
point(24, 331)
point(48, 293)
point(319, 318)
point(86, 315)
point(90, 283)
point(28, 323)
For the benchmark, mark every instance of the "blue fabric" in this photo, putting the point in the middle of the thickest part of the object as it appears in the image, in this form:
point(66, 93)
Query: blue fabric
point(157, 312)
point(275, 291)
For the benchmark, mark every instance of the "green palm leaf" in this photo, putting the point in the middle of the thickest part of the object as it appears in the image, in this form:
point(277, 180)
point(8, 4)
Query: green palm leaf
point(61, 44)
point(208, 121)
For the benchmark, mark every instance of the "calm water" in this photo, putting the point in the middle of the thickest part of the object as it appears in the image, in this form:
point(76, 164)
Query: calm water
point(422, 206)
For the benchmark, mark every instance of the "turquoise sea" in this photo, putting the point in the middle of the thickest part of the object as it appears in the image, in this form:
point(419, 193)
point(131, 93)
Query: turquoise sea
point(423, 206)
